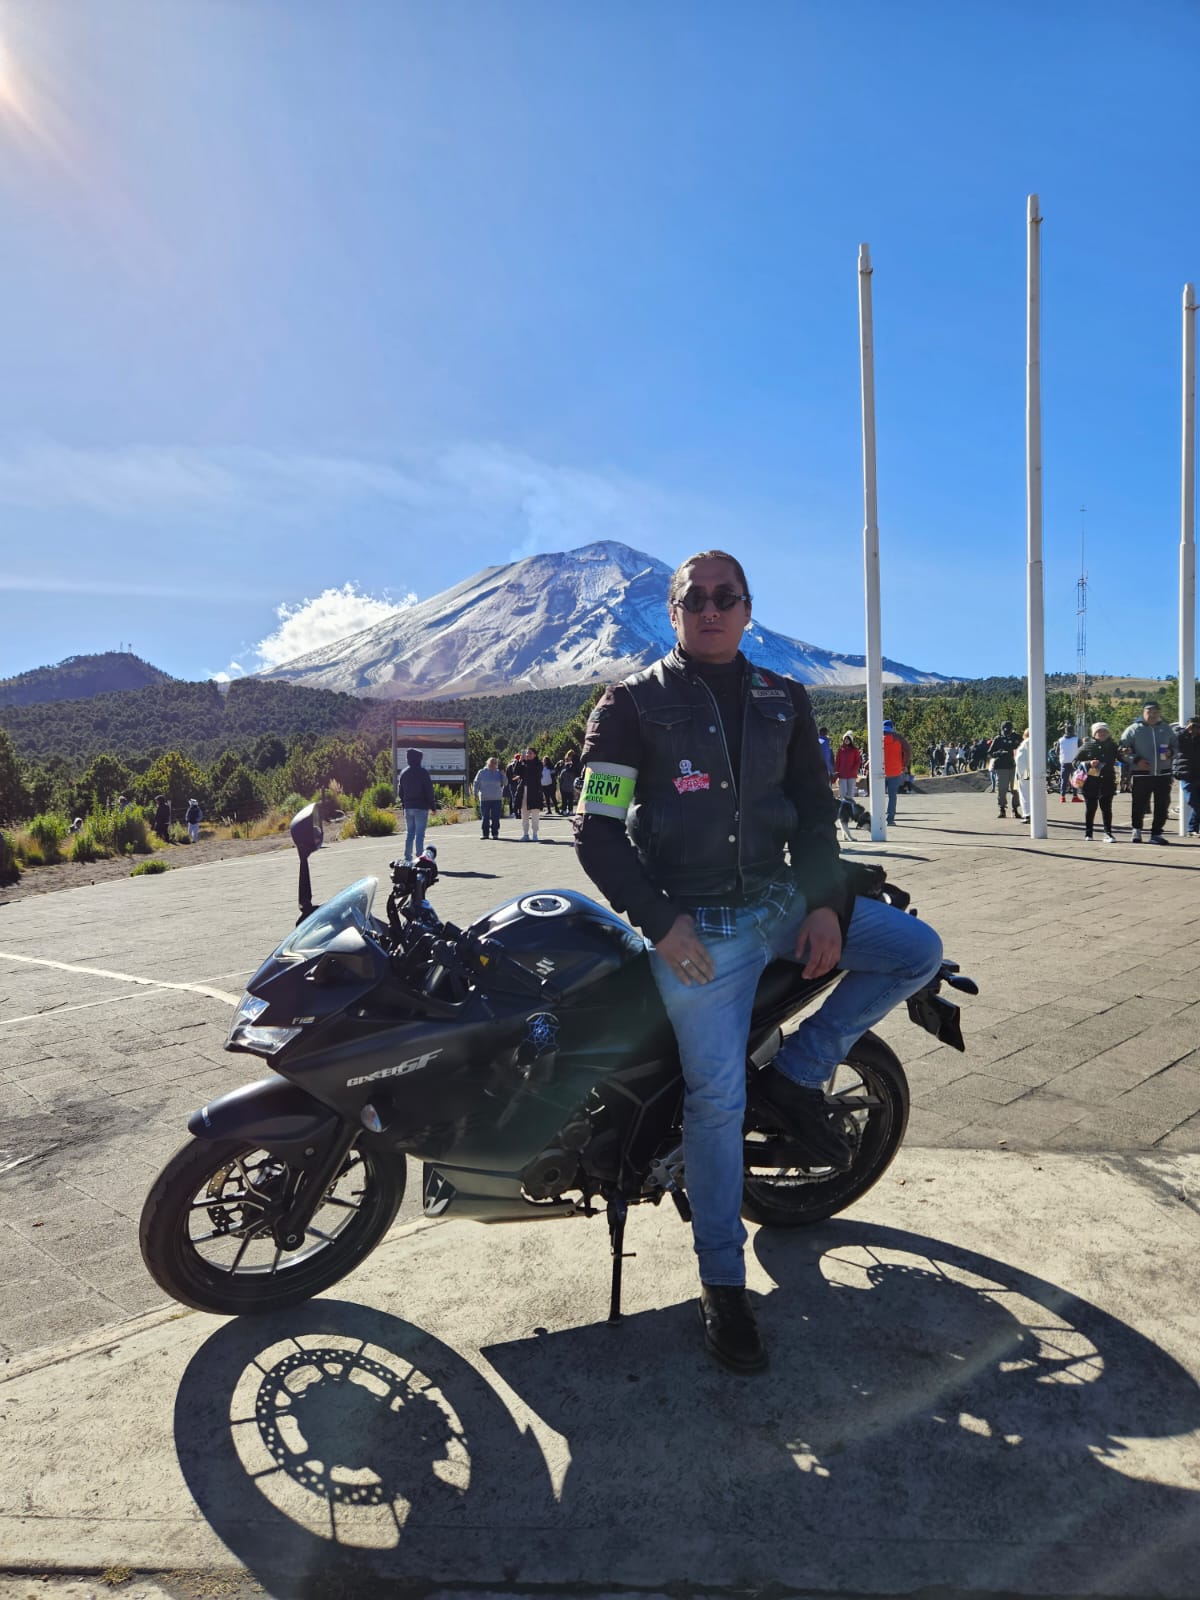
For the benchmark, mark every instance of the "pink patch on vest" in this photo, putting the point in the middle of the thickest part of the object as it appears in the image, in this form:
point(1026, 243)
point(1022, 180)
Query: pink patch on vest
point(692, 782)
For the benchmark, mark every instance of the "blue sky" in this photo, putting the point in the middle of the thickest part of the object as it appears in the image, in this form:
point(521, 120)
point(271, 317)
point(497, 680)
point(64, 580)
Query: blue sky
point(308, 308)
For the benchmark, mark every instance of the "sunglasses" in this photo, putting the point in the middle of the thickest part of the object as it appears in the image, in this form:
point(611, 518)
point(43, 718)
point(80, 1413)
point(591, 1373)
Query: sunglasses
point(698, 600)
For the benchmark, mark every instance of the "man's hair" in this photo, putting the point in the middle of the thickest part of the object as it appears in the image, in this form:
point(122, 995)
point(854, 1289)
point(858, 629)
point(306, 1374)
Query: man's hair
point(1151, 705)
point(679, 580)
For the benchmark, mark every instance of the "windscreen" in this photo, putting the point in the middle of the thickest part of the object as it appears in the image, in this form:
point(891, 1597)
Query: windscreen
point(349, 909)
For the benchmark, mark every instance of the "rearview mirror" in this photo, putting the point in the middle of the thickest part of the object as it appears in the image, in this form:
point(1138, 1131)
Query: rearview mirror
point(306, 830)
point(307, 835)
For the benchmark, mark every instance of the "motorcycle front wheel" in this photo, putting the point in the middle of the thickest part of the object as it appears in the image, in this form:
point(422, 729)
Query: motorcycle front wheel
point(868, 1105)
point(206, 1226)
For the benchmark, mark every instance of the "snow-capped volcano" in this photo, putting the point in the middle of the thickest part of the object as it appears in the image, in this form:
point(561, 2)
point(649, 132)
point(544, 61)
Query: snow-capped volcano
point(593, 614)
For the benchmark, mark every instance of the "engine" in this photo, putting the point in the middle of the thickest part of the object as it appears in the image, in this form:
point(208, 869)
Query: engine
point(558, 1167)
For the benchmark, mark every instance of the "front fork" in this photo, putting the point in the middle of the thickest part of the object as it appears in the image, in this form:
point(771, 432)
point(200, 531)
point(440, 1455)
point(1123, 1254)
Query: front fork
point(309, 1190)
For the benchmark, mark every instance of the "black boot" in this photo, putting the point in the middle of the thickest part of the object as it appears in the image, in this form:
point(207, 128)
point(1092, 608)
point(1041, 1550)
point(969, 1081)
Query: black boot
point(730, 1331)
point(805, 1114)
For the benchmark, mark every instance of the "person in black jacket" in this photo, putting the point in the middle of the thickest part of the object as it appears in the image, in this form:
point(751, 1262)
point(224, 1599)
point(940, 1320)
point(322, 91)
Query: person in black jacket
point(1002, 761)
point(1099, 756)
point(529, 795)
point(1187, 770)
point(705, 813)
point(418, 799)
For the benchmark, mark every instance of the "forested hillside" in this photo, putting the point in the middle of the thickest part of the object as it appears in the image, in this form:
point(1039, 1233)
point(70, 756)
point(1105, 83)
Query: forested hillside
point(79, 677)
point(202, 720)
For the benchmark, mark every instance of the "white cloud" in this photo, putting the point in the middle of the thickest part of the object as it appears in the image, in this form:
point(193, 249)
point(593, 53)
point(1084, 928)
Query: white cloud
point(331, 616)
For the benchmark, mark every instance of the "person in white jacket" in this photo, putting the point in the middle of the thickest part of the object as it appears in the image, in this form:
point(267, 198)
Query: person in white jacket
point(1024, 770)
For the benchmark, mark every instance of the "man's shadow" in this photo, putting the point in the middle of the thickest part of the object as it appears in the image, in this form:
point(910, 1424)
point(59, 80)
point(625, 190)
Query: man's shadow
point(929, 1414)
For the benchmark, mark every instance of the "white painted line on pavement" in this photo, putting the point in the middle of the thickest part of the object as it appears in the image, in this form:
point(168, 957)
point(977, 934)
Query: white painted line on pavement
point(117, 977)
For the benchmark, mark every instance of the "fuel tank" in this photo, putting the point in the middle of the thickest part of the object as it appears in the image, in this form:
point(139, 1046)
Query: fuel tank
point(562, 936)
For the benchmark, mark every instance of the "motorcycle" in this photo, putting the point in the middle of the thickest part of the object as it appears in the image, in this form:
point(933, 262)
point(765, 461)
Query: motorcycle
point(526, 1061)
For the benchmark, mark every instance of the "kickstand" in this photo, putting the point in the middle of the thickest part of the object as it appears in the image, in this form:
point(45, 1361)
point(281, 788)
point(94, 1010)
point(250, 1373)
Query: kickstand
point(618, 1210)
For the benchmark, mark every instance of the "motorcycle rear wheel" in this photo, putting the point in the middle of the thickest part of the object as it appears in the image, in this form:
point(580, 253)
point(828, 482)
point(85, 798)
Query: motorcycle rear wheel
point(205, 1227)
point(868, 1100)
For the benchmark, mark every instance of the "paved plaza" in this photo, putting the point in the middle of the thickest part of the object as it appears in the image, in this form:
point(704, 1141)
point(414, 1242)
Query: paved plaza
point(1052, 1170)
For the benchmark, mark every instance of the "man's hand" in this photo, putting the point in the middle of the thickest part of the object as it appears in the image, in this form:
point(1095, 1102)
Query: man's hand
point(818, 943)
point(685, 953)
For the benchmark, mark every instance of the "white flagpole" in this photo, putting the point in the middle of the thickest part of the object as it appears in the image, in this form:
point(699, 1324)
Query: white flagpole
point(871, 550)
point(1187, 529)
point(1034, 596)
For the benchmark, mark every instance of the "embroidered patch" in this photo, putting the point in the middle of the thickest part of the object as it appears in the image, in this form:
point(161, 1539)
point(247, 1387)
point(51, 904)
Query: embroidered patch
point(768, 694)
point(688, 782)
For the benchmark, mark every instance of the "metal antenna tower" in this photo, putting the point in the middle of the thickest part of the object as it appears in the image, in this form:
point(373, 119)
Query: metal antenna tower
point(1081, 677)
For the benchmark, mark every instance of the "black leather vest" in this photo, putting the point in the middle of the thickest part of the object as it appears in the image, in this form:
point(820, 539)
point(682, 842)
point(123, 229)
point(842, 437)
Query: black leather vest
point(700, 836)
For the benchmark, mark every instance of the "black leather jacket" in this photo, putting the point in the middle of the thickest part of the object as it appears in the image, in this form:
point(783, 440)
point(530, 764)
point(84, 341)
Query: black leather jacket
point(668, 826)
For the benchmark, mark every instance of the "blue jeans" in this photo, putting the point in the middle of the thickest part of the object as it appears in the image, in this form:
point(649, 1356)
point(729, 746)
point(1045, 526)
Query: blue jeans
point(892, 786)
point(887, 956)
point(414, 838)
point(489, 816)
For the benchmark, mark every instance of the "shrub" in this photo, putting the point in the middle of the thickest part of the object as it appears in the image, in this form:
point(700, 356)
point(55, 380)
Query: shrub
point(291, 803)
point(148, 869)
point(122, 832)
point(381, 796)
point(9, 870)
point(275, 821)
point(85, 847)
point(365, 821)
point(49, 831)
point(446, 797)
point(26, 849)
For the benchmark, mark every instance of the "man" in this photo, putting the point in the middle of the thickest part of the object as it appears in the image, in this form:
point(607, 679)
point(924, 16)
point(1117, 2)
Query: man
point(896, 758)
point(826, 751)
point(489, 791)
point(1002, 763)
point(1067, 750)
point(1187, 770)
point(415, 793)
point(699, 773)
point(1152, 745)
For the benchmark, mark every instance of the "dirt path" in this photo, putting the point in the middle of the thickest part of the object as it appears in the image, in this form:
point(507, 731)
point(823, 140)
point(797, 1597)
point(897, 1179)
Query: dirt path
point(74, 875)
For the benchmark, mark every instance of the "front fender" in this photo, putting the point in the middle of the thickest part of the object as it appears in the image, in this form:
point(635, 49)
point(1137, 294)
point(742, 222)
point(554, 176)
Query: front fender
point(271, 1113)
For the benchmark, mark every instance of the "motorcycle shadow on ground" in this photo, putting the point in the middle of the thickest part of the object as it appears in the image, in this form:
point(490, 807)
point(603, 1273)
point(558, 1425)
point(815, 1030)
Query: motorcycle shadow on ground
point(931, 1415)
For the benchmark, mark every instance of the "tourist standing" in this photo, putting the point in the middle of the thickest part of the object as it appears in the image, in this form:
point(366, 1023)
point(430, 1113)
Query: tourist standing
point(193, 816)
point(896, 758)
point(415, 793)
point(489, 791)
point(1002, 763)
point(1187, 770)
point(1023, 766)
point(568, 779)
point(529, 795)
point(1067, 750)
point(1098, 755)
point(1152, 745)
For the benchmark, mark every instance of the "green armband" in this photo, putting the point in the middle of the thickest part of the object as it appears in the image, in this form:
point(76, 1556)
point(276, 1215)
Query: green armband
point(607, 790)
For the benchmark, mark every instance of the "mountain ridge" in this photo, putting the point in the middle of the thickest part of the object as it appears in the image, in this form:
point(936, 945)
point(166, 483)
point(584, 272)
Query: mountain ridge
point(80, 678)
point(589, 615)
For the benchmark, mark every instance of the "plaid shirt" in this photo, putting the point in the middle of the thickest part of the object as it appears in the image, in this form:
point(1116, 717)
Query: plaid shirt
point(720, 922)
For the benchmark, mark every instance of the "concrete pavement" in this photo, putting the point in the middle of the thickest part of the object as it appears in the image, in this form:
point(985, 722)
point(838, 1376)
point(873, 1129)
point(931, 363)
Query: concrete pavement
point(921, 1430)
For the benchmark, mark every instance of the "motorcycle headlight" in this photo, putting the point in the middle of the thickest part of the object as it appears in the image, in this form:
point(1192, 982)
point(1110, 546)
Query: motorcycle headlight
point(245, 1034)
point(263, 1041)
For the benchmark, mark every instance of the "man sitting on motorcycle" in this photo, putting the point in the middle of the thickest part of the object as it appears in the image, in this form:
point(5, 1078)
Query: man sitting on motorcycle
point(705, 814)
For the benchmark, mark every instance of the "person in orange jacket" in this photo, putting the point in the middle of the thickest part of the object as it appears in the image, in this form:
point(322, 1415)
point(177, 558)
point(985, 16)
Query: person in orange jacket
point(897, 758)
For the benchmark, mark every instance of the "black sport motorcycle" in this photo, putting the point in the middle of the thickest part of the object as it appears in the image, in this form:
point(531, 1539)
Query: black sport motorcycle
point(526, 1061)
